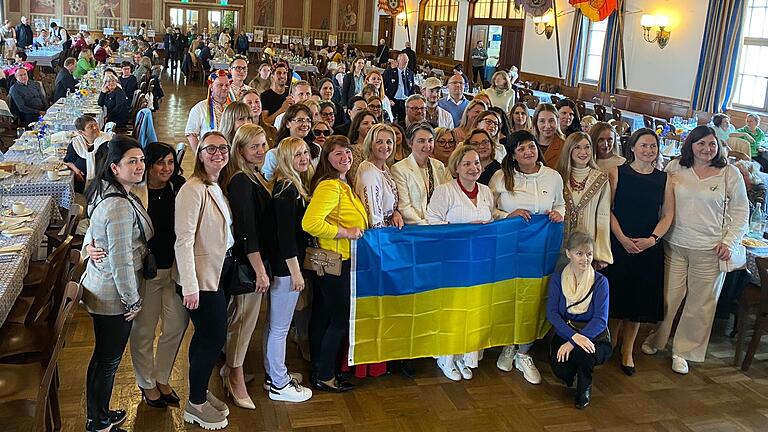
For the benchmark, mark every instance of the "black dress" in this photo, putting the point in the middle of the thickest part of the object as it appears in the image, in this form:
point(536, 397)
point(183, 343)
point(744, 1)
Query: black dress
point(637, 280)
point(488, 172)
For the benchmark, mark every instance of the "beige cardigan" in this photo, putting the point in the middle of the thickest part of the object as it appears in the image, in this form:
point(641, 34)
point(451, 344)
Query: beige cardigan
point(201, 237)
point(411, 188)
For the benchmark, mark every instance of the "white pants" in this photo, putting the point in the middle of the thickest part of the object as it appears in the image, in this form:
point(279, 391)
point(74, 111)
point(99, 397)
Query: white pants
point(242, 315)
point(159, 302)
point(693, 276)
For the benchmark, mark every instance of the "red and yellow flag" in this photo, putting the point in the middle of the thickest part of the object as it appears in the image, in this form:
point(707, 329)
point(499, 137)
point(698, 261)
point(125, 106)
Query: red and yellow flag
point(595, 10)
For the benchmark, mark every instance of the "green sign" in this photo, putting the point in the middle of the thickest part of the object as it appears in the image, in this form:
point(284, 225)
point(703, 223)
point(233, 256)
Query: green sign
point(223, 2)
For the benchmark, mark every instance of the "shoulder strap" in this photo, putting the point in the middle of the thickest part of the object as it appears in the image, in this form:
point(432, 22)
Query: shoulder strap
point(586, 296)
point(135, 211)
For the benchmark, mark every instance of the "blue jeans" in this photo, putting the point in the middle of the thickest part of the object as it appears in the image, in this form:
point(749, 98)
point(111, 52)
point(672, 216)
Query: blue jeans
point(282, 302)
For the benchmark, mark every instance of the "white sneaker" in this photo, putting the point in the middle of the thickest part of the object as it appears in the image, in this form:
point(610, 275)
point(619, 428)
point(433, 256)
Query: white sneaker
point(679, 365)
point(524, 363)
point(506, 360)
point(647, 347)
point(292, 392)
point(449, 368)
point(292, 375)
point(465, 371)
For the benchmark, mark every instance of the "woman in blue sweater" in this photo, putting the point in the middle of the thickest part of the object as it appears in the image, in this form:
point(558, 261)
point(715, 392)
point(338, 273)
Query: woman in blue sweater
point(577, 307)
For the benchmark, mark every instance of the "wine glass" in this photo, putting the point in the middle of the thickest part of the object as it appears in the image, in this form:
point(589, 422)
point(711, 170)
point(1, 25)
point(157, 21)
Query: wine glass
point(19, 132)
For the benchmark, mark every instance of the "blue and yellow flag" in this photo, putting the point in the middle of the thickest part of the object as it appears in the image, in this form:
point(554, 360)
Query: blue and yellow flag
point(435, 290)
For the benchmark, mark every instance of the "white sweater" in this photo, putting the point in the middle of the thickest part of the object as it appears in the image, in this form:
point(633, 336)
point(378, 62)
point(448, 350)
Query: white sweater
point(377, 190)
point(449, 204)
point(699, 208)
point(538, 193)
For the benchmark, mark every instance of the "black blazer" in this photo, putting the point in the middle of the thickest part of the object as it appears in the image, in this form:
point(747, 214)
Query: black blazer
point(117, 106)
point(292, 241)
point(390, 83)
point(253, 220)
point(382, 54)
point(348, 88)
point(64, 81)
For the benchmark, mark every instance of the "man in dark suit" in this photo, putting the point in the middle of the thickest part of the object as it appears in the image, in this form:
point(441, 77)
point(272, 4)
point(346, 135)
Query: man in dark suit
point(411, 56)
point(24, 36)
point(64, 79)
point(398, 85)
point(382, 53)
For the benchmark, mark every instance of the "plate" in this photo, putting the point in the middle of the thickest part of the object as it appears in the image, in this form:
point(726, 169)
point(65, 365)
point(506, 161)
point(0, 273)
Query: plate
point(753, 243)
point(9, 212)
point(4, 175)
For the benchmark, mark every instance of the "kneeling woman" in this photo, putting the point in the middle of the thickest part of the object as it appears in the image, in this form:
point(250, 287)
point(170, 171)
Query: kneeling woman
point(577, 307)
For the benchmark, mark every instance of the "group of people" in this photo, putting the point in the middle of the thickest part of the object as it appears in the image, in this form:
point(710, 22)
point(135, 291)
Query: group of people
point(277, 170)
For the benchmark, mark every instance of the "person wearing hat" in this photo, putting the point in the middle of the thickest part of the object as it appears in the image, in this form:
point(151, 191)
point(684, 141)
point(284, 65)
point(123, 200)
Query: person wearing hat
point(436, 116)
point(206, 115)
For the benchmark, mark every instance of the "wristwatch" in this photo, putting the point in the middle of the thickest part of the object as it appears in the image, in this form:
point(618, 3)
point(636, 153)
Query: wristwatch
point(655, 238)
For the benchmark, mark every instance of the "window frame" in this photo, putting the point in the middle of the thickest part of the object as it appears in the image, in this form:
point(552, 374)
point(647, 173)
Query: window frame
point(588, 35)
point(748, 41)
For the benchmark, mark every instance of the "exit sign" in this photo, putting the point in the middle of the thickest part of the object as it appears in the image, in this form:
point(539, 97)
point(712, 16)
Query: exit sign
point(223, 2)
point(185, 1)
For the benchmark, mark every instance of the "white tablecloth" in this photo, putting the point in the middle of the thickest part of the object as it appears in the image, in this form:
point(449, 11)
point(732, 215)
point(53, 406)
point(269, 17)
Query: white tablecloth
point(43, 57)
point(36, 183)
point(13, 269)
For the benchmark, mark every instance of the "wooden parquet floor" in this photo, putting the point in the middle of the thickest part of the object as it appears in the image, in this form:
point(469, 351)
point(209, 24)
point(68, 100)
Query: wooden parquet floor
point(715, 396)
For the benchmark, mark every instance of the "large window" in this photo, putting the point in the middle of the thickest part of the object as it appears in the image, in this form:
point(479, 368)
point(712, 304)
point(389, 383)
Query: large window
point(441, 10)
point(498, 9)
point(595, 39)
point(752, 79)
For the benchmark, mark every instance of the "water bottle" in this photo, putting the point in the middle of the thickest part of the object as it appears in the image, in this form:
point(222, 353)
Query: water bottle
point(756, 221)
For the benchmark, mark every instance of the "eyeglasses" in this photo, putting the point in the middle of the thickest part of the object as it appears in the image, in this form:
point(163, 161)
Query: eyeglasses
point(417, 108)
point(240, 68)
point(491, 122)
point(211, 150)
point(302, 120)
point(318, 132)
point(455, 83)
point(446, 143)
point(484, 143)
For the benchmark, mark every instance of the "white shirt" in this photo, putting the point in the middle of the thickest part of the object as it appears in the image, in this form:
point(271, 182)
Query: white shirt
point(198, 122)
point(538, 193)
point(699, 208)
point(270, 164)
point(449, 204)
point(218, 195)
point(377, 190)
point(279, 120)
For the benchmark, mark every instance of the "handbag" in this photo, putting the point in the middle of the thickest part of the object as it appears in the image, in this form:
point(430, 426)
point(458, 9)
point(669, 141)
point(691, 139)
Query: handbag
point(240, 277)
point(604, 336)
point(322, 261)
point(738, 253)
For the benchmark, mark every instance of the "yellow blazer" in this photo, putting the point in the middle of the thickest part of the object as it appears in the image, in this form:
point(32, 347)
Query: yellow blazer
point(201, 237)
point(411, 188)
point(334, 204)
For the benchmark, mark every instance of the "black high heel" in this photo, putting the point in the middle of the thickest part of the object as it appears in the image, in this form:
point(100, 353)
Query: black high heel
point(171, 398)
point(154, 403)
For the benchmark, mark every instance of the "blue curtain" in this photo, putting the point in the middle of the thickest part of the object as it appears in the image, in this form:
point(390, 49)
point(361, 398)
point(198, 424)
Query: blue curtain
point(576, 49)
point(611, 61)
point(716, 74)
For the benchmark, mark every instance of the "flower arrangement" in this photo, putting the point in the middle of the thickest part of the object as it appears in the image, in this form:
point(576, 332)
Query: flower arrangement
point(83, 92)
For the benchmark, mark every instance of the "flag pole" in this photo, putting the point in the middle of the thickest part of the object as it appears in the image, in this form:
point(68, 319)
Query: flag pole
point(557, 40)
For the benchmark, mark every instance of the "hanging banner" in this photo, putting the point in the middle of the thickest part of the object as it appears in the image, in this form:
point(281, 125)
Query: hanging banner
point(595, 10)
point(392, 7)
point(536, 7)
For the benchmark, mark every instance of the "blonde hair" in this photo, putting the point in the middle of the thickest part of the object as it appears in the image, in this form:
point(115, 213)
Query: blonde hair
point(243, 137)
point(381, 87)
point(565, 164)
point(199, 169)
point(232, 113)
point(373, 133)
point(594, 135)
point(506, 79)
point(285, 171)
point(456, 157)
point(464, 123)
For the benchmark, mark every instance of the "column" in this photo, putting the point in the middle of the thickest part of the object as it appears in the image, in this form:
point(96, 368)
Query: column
point(306, 21)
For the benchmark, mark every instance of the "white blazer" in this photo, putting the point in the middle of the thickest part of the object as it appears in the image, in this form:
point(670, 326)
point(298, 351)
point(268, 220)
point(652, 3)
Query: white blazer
point(412, 188)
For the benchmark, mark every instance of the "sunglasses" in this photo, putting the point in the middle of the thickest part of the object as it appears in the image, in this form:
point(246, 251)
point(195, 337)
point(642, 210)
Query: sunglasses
point(318, 132)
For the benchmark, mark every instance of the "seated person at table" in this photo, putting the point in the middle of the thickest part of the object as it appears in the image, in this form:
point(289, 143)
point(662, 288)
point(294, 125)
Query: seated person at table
point(42, 38)
point(28, 97)
point(128, 82)
point(65, 82)
point(81, 151)
point(577, 307)
point(101, 53)
point(113, 98)
point(20, 62)
point(143, 69)
point(85, 63)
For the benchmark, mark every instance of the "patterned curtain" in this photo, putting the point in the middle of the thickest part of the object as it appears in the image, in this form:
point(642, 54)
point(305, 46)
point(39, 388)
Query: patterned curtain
point(611, 61)
point(716, 74)
point(575, 50)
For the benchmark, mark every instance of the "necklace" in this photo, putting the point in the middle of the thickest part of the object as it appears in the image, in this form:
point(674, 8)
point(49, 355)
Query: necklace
point(576, 185)
point(158, 193)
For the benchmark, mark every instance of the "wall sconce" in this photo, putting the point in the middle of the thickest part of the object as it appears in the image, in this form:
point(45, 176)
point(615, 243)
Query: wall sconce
point(647, 22)
point(543, 24)
point(402, 19)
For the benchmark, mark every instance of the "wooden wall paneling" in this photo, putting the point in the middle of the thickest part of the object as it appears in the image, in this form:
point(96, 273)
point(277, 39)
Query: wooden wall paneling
point(141, 9)
point(369, 10)
point(293, 13)
point(14, 6)
point(264, 13)
point(319, 18)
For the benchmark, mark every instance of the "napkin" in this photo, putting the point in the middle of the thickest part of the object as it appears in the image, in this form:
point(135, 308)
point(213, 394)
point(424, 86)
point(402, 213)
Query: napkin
point(18, 232)
point(12, 249)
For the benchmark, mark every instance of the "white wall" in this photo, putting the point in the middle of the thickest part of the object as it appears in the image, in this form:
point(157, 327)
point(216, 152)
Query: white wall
point(668, 72)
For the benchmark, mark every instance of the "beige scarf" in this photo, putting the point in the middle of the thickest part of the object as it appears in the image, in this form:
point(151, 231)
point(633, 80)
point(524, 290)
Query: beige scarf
point(575, 289)
point(80, 145)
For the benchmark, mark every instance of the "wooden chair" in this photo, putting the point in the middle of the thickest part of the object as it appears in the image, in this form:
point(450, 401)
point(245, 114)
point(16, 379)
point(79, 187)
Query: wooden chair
point(555, 99)
point(531, 101)
point(600, 113)
point(616, 113)
point(738, 155)
point(28, 393)
point(739, 145)
point(648, 121)
point(56, 235)
point(582, 106)
point(181, 148)
point(658, 123)
point(753, 298)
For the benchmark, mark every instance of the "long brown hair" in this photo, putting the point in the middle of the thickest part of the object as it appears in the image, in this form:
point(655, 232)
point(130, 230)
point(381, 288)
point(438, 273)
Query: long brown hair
point(326, 171)
point(546, 107)
point(199, 170)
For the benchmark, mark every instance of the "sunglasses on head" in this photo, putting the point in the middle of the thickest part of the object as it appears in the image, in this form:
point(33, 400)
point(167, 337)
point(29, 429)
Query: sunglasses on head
point(318, 132)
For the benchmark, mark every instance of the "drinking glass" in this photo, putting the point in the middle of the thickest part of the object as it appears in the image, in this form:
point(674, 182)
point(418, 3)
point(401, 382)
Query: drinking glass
point(19, 132)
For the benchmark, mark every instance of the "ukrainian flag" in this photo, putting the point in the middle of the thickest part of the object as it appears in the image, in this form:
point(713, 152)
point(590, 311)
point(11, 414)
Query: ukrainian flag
point(434, 290)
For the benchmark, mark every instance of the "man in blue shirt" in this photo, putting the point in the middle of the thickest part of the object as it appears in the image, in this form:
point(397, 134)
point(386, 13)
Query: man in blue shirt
point(455, 103)
point(398, 85)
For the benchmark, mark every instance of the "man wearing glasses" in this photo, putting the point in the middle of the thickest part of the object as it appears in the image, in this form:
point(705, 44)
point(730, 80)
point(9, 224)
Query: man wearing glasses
point(300, 92)
point(398, 86)
point(238, 67)
point(415, 111)
point(435, 115)
point(455, 103)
